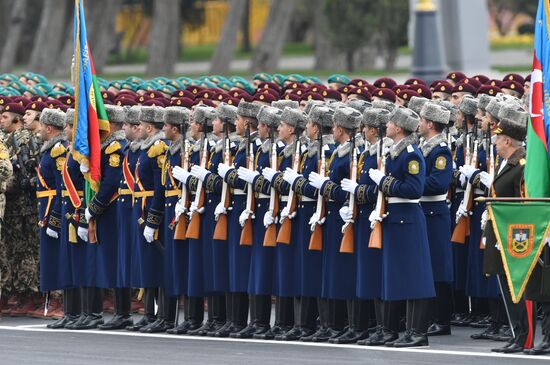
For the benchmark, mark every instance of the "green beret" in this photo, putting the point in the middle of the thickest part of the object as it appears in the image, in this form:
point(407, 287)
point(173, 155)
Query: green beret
point(338, 78)
point(184, 80)
point(263, 77)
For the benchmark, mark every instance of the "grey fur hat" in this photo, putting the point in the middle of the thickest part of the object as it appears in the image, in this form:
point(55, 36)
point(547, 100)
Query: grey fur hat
point(450, 107)
point(175, 115)
point(270, 116)
point(281, 104)
point(468, 105)
point(115, 114)
point(359, 105)
point(416, 103)
point(376, 117)
point(347, 117)
point(294, 117)
point(494, 107)
point(405, 118)
point(383, 104)
point(247, 109)
point(132, 114)
point(511, 129)
point(322, 115)
point(435, 113)
point(159, 115)
point(147, 114)
point(227, 113)
point(484, 100)
point(69, 116)
point(204, 114)
point(53, 117)
point(311, 104)
point(513, 112)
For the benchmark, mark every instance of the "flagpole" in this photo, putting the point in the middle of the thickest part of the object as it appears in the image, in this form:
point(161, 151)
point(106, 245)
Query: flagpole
point(483, 199)
point(506, 307)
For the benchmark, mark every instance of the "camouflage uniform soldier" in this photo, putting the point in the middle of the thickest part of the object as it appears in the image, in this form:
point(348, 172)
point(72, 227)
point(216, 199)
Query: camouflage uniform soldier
point(6, 171)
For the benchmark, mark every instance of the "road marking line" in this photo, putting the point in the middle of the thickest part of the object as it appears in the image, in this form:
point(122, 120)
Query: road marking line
point(423, 350)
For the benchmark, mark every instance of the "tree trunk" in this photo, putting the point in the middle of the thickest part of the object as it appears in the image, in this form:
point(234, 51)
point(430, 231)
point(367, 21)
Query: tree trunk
point(349, 61)
point(15, 29)
point(390, 58)
point(245, 28)
point(365, 56)
point(225, 49)
point(269, 49)
point(327, 57)
point(47, 44)
point(164, 40)
point(4, 20)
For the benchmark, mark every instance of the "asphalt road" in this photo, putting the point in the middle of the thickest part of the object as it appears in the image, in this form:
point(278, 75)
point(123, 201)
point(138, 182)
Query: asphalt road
point(27, 341)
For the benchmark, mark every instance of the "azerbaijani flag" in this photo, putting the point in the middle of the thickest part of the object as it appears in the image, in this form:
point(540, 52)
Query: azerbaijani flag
point(90, 121)
point(537, 168)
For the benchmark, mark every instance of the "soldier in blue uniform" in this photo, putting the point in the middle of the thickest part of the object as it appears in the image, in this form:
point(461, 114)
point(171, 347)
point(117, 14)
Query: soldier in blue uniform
point(406, 265)
point(307, 262)
point(127, 228)
point(147, 256)
point(339, 269)
point(239, 255)
point(369, 260)
point(48, 193)
point(262, 261)
point(439, 171)
point(73, 233)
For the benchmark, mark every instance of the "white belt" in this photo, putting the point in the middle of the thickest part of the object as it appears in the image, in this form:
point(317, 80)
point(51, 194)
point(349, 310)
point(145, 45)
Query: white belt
point(284, 198)
point(394, 200)
point(479, 191)
point(238, 192)
point(306, 199)
point(263, 196)
point(459, 190)
point(434, 198)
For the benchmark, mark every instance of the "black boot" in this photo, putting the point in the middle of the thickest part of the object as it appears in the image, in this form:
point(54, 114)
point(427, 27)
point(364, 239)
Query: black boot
point(71, 309)
point(247, 331)
point(239, 315)
point(225, 329)
point(357, 329)
point(411, 338)
point(323, 309)
point(93, 308)
point(149, 316)
point(122, 317)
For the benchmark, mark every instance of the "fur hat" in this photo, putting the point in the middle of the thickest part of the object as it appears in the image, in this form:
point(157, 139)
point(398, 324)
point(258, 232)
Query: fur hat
point(435, 113)
point(132, 114)
point(494, 107)
point(312, 103)
point(468, 105)
point(69, 116)
point(53, 117)
point(359, 105)
point(175, 115)
point(281, 104)
point(204, 115)
point(321, 115)
point(227, 113)
point(159, 116)
point(294, 117)
point(376, 117)
point(270, 116)
point(147, 114)
point(513, 112)
point(405, 118)
point(416, 103)
point(115, 114)
point(347, 117)
point(484, 100)
point(450, 107)
point(511, 129)
point(247, 109)
point(388, 105)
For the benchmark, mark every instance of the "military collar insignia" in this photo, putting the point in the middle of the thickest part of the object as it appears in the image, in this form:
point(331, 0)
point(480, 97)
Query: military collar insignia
point(516, 157)
point(115, 136)
point(152, 139)
point(430, 144)
point(396, 150)
point(52, 142)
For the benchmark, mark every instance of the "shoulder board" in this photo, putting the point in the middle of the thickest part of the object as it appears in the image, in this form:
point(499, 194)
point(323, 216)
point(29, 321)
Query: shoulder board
point(57, 150)
point(157, 149)
point(522, 162)
point(232, 145)
point(280, 144)
point(325, 147)
point(112, 147)
point(258, 142)
point(212, 143)
point(303, 148)
point(410, 148)
point(443, 144)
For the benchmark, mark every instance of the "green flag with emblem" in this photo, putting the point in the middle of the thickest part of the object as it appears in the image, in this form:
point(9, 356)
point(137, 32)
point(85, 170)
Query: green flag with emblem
point(521, 230)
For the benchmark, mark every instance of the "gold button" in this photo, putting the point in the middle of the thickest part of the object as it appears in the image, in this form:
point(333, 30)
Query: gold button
point(401, 222)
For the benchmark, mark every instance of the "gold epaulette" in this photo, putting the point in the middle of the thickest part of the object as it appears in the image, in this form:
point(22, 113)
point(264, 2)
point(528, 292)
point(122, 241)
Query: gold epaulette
point(157, 149)
point(57, 150)
point(522, 162)
point(112, 147)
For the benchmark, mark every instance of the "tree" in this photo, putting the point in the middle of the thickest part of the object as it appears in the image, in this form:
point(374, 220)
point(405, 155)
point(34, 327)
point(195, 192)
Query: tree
point(164, 41)
point(392, 18)
point(269, 49)
point(9, 51)
point(227, 44)
point(245, 29)
point(504, 12)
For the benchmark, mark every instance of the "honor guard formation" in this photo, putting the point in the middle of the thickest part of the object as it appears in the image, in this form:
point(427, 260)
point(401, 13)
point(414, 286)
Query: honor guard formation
point(347, 208)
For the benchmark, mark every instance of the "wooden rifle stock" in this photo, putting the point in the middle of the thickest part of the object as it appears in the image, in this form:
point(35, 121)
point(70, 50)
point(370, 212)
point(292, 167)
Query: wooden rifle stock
point(270, 237)
point(92, 233)
point(285, 230)
point(316, 239)
point(375, 239)
point(347, 244)
point(194, 228)
point(462, 228)
point(246, 233)
point(220, 231)
point(180, 231)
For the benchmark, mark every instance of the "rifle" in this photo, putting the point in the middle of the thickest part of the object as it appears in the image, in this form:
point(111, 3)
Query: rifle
point(490, 157)
point(158, 245)
point(194, 229)
point(220, 232)
point(270, 237)
point(348, 235)
point(286, 225)
point(462, 228)
point(375, 240)
point(316, 239)
point(23, 160)
point(181, 226)
point(246, 233)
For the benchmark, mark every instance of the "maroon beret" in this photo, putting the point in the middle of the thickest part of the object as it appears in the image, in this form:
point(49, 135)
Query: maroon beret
point(194, 89)
point(209, 94)
point(264, 98)
point(495, 82)
point(126, 102)
point(415, 81)
point(221, 95)
point(183, 102)
point(443, 87)
point(331, 94)
point(514, 86)
point(435, 83)
point(358, 82)
point(464, 88)
point(269, 85)
point(36, 105)
point(106, 102)
point(154, 102)
point(514, 77)
point(4, 100)
point(66, 100)
point(527, 79)
point(481, 78)
point(154, 94)
point(232, 101)
point(21, 100)
point(385, 93)
point(317, 88)
point(362, 92)
point(406, 94)
point(107, 95)
point(183, 94)
point(206, 102)
point(470, 80)
point(397, 88)
point(271, 92)
point(489, 90)
point(345, 89)
point(39, 98)
point(422, 90)
point(54, 103)
point(385, 82)
point(456, 76)
point(15, 108)
point(312, 96)
point(292, 97)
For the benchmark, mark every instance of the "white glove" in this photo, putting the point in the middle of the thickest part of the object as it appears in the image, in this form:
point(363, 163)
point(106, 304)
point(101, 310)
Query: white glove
point(180, 174)
point(317, 180)
point(149, 234)
point(223, 169)
point(462, 179)
point(374, 217)
point(484, 218)
point(349, 185)
point(467, 170)
point(313, 220)
point(199, 172)
point(247, 174)
point(346, 214)
point(243, 217)
point(454, 165)
point(220, 209)
point(376, 175)
point(87, 215)
point(192, 208)
point(268, 219)
point(51, 233)
point(284, 213)
point(290, 176)
point(82, 233)
point(485, 179)
point(84, 168)
point(269, 173)
point(461, 212)
point(179, 209)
